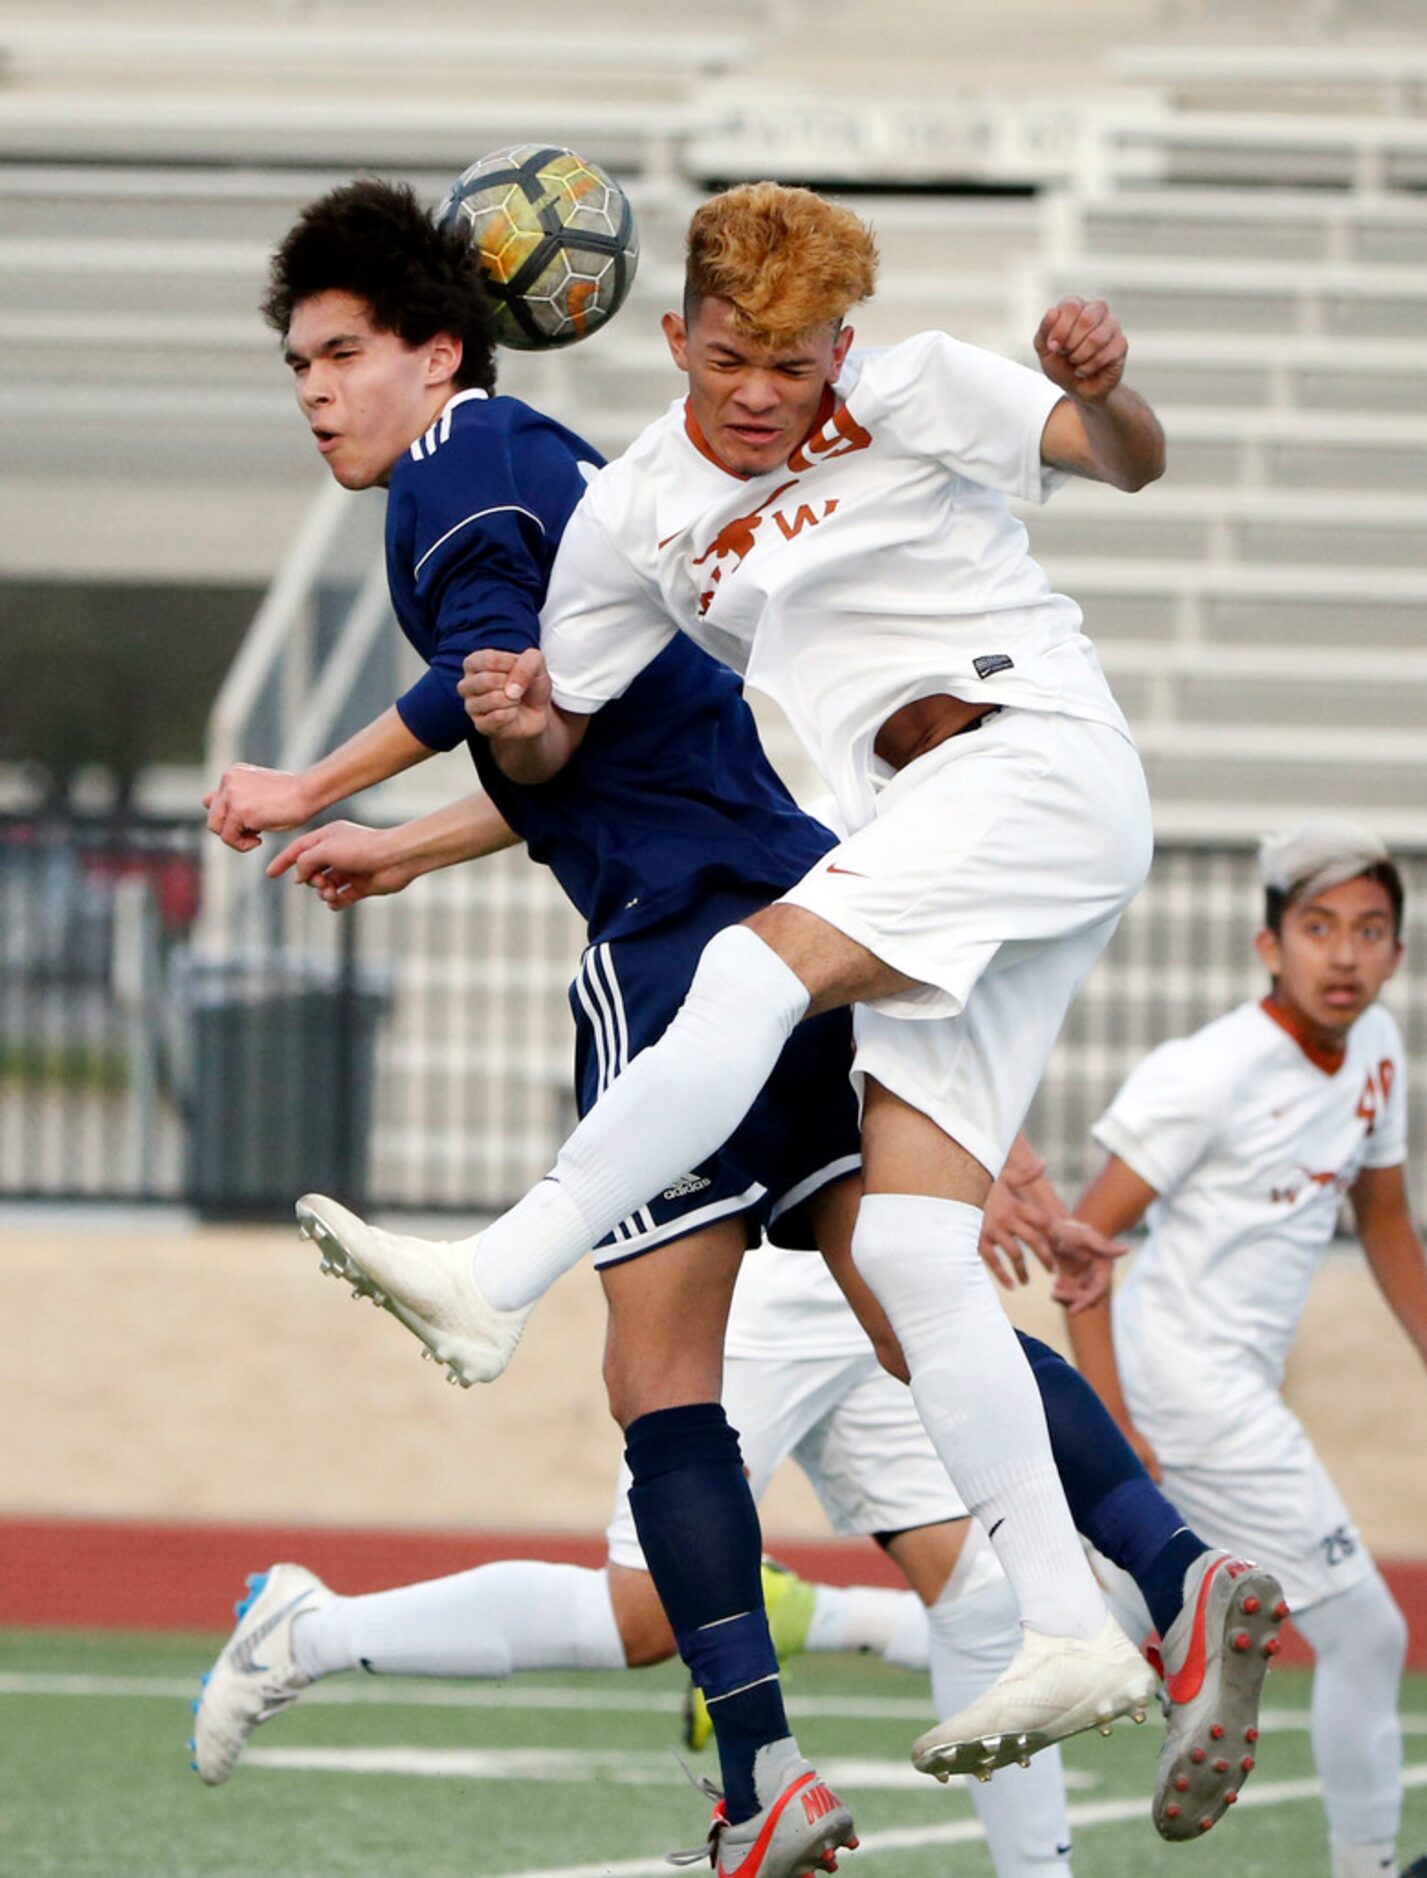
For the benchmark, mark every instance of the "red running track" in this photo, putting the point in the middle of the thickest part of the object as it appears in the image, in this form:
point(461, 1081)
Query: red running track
point(124, 1575)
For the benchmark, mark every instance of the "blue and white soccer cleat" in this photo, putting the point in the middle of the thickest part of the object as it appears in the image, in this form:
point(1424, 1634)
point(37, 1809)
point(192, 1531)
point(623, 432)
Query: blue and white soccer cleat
point(426, 1284)
point(1052, 1688)
point(797, 1832)
point(1215, 1656)
point(255, 1676)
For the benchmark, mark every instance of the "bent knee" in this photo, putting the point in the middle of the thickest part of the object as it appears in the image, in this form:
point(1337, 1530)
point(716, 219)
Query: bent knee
point(1363, 1628)
point(1388, 1637)
point(644, 1630)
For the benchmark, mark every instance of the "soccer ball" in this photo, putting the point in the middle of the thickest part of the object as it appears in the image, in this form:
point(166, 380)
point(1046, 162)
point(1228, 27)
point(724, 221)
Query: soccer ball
point(557, 241)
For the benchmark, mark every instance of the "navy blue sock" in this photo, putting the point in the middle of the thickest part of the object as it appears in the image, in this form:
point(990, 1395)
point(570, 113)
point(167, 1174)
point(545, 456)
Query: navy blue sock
point(1113, 1501)
point(699, 1529)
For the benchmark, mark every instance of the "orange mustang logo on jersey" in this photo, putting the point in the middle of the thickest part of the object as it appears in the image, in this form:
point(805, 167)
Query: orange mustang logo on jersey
point(733, 541)
point(738, 538)
point(1286, 1195)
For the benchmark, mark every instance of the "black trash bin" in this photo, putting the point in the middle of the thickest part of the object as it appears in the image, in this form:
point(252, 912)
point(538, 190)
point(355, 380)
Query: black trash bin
point(283, 1052)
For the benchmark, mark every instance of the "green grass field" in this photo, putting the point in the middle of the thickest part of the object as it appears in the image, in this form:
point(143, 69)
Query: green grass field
point(550, 1777)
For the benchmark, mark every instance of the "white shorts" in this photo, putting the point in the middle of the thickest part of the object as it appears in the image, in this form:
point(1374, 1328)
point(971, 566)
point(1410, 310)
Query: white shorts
point(1277, 1505)
point(994, 874)
point(852, 1429)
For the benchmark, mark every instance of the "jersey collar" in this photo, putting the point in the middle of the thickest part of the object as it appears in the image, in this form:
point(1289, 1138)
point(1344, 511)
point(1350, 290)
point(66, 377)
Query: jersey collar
point(1329, 1061)
point(694, 432)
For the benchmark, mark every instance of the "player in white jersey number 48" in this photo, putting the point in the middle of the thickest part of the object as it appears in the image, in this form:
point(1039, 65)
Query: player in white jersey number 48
point(1242, 1141)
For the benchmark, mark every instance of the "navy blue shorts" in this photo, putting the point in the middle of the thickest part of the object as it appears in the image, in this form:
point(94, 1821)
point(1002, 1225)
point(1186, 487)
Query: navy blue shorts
point(801, 1133)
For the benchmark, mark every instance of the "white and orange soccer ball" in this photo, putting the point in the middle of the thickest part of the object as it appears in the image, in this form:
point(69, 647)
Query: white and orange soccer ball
point(556, 237)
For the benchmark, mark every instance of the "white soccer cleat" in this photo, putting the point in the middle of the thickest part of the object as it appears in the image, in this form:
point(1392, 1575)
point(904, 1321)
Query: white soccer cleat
point(1216, 1656)
point(256, 1675)
point(1054, 1687)
point(427, 1284)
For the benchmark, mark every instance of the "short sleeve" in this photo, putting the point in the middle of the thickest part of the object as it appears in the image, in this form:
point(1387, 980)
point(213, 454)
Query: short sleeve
point(981, 415)
point(474, 518)
point(1163, 1121)
point(602, 622)
point(482, 583)
point(1386, 1146)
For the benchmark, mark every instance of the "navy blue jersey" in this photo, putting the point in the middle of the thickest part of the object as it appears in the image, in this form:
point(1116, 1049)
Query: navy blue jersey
point(670, 796)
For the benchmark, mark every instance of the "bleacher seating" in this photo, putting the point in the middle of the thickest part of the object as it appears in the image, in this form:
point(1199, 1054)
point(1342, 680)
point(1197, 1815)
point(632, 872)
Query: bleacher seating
point(1277, 327)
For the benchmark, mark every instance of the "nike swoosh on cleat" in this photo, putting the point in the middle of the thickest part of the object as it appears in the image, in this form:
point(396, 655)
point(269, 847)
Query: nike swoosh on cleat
point(750, 1866)
point(1186, 1683)
point(242, 1652)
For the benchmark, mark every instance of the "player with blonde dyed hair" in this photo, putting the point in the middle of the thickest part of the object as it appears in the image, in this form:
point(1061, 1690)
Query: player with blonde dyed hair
point(785, 260)
point(836, 526)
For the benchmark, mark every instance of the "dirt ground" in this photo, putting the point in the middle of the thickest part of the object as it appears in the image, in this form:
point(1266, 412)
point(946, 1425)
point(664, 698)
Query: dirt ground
point(156, 1370)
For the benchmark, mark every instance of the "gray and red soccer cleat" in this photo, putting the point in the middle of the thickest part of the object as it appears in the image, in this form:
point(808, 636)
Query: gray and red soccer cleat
point(426, 1284)
point(1052, 1688)
point(1215, 1656)
point(255, 1676)
point(797, 1833)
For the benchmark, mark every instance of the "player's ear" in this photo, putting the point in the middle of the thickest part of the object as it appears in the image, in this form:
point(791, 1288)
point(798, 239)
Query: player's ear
point(677, 333)
point(842, 345)
point(1266, 944)
point(443, 359)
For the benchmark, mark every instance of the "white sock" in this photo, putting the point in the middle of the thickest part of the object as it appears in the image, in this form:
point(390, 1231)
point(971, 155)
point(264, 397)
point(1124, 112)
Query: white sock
point(859, 1617)
point(909, 1646)
point(978, 1400)
point(1360, 1641)
point(675, 1104)
point(1365, 1861)
point(516, 1614)
point(1023, 1809)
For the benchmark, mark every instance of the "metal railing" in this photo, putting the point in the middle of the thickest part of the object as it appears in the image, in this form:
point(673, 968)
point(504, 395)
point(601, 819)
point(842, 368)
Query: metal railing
point(416, 1053)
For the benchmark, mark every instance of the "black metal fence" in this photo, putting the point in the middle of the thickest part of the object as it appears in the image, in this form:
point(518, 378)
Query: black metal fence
point(415, 1053)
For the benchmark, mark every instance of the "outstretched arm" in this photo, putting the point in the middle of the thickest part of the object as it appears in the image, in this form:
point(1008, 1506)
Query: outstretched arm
point(1100, 428)
point(248, 799)
point(346, 862)
point(1024, 1213)
point(1112, 1204)
point(1394, 1252)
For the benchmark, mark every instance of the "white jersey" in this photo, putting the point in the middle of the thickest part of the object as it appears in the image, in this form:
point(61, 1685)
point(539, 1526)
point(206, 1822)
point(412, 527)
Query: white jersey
point(880, 564)
point(1251, 1142)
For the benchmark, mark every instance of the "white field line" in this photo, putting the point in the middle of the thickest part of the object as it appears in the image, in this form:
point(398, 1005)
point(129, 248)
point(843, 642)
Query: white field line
point(383, 1692)
point(399, 1692)
point(1083, 1813)
point(578, 1766)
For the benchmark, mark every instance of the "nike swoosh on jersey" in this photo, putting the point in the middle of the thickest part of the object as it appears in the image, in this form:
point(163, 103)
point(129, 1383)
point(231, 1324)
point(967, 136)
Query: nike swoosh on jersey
point(833, 868)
